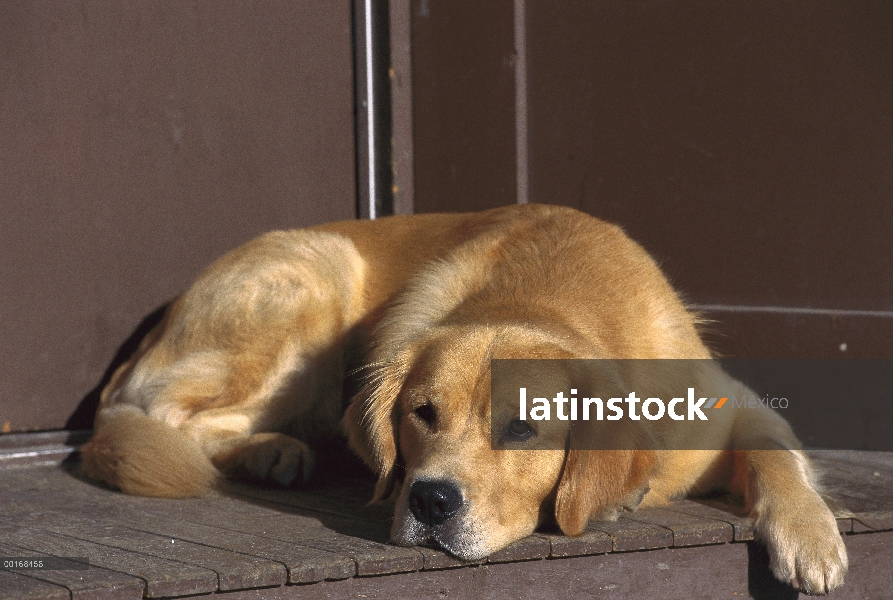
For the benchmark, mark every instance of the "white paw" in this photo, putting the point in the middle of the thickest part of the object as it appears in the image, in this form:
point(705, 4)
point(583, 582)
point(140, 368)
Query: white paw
point(805, 548)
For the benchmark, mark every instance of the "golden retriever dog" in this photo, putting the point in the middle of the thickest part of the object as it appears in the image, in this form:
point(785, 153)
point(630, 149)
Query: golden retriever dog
point(250, 363)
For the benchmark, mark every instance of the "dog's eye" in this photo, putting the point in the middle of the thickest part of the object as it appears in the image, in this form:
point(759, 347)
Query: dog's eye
point(426, 413)
point(520, 429)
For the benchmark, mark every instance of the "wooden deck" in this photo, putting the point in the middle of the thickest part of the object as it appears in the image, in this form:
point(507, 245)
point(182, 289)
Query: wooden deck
point(323, 542)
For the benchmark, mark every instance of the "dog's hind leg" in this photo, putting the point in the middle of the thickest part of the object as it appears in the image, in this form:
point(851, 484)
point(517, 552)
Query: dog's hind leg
point(253, 350)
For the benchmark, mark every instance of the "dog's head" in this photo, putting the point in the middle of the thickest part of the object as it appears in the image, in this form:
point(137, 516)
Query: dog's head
point(476, 478)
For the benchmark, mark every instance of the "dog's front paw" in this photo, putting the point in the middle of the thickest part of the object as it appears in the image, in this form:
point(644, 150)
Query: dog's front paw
point(805, 548)
point(273, 457)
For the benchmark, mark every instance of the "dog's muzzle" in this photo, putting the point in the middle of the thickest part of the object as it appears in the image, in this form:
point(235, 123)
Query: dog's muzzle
point(434, 502)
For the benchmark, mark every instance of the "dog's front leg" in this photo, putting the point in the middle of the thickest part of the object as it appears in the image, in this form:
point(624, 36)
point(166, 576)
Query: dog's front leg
point(779, 485)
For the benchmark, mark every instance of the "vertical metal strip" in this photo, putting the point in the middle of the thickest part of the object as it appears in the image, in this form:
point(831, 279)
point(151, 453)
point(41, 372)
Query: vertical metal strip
point(521, 155)
point(371, 57)
point(369, 85)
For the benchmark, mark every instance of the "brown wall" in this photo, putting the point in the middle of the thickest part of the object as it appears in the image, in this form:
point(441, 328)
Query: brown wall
point(463, 104)
point(748, 146)
point(138, 141)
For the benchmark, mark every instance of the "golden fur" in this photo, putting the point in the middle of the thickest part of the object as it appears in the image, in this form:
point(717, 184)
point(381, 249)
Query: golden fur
point(252, 359)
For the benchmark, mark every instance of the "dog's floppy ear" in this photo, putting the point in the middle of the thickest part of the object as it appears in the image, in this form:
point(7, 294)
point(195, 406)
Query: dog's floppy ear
point(371, 421)
point(597, 480)
point(608, 463)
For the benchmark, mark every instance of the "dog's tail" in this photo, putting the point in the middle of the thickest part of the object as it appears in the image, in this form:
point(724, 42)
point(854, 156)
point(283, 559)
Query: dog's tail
point(146, 457)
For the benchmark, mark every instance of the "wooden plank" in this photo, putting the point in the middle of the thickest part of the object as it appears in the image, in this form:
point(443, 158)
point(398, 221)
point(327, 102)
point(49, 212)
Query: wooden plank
point(330, 533)
point(438, 559)
point(21, 587)
point(861, 481)
point(163, 578)
point(93, 584)
point(845, 525)
point(312, 535)
point(371, 558)
point(234, 571)
point(530, 548)
point(628, 535)
point(373, 562)
point(712, 573)
point(304, 564)
point(741, 526)
point(370, 553)
point(860, 460)
point(592, 541)
point(375, 521)
point(875, 521)
point(720, 572)
point(346, 501)
point(856, 500)
point(688, 530)
point(166, 518)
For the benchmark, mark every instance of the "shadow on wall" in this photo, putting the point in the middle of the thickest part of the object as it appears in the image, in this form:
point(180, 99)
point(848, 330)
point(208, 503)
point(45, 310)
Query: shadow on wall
point(83, 415)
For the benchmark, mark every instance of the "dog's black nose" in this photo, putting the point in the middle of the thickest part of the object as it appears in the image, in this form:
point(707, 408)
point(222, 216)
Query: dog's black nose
point(433, 502)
